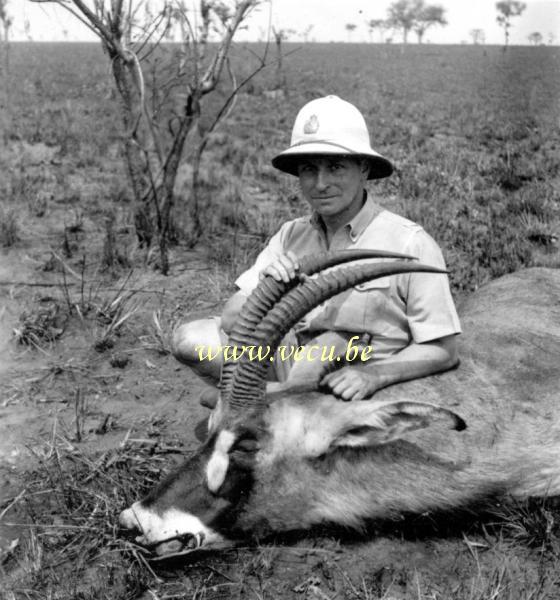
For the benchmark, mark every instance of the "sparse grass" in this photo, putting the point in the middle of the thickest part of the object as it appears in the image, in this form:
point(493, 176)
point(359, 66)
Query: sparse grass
point(233, 251)
point(69, 510)
point(102, 311)
point(160, 332)
point(76, 222)
point(38, 203)
point(539, 229)
point(114, 258)
point(507, 578)
point(9, 227)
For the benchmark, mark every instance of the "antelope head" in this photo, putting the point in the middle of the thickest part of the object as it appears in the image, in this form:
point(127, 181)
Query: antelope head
point(285, 462)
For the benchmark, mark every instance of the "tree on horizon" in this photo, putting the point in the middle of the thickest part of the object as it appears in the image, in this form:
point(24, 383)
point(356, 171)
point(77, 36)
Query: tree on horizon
point(402, 15)
point(374, 24)
point(5, 101)
point(306, 32)
point(428, 16)
point(478, 36)
point(508, 9)
point(350, 28)
point(414, 15)
point(5, 19)
point(536, 38)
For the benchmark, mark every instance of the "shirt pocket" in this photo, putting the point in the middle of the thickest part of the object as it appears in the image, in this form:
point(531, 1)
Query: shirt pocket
point(365, 307)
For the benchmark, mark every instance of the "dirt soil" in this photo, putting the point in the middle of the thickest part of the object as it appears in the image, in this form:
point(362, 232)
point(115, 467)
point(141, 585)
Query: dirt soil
point(95, 397)
point(77, 391)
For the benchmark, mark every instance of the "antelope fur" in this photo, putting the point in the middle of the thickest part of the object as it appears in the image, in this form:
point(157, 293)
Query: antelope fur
point(322, 460)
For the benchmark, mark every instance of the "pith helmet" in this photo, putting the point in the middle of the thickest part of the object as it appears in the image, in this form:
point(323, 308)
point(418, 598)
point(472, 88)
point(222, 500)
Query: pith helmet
point(331, 125)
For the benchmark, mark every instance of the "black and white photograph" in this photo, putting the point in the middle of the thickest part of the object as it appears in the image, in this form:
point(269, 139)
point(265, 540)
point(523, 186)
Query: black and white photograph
point(279, 300)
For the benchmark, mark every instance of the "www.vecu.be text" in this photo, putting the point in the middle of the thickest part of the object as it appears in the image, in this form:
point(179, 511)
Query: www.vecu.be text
point(309, 353)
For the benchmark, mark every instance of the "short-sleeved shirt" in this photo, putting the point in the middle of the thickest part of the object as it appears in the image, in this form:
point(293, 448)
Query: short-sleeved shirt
point(392, 311)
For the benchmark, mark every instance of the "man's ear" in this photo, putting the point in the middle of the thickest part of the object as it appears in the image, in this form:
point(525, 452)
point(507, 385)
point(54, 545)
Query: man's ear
point(365, 167)
point(389, 422)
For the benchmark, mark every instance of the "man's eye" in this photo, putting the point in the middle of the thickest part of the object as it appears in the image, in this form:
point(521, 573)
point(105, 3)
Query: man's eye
point(336, 166)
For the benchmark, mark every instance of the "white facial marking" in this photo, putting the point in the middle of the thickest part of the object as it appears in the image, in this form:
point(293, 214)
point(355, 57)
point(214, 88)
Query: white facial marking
point(217, 466)
point(172, 523)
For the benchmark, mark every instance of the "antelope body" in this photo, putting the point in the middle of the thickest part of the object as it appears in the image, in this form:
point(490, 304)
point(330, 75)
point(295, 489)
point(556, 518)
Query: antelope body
point(299, 458)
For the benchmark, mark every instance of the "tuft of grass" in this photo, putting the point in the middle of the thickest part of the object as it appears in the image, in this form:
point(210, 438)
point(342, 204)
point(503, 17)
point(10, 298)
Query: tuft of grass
point(111, 315)
point(532, 523)
point(42, 325)
point(9, 228)
point(160, 332)
point(539, 229)
point(102, 313)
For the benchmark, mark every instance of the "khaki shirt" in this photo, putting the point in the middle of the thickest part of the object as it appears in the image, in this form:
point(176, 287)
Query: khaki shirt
point(391, 311)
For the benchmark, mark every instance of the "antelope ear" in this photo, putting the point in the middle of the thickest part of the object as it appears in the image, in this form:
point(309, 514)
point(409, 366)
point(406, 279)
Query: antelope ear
point(384, 423)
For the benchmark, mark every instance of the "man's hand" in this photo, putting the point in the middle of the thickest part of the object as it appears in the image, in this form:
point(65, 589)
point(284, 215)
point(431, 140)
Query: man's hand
point(284, 268)
point(351, 383)
point(412, 362)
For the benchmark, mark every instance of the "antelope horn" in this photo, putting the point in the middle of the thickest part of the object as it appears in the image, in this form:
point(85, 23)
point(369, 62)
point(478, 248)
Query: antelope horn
point(248, 383)
point(269, 291)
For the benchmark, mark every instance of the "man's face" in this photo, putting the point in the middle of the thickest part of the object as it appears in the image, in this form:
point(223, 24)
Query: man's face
point(332, 184)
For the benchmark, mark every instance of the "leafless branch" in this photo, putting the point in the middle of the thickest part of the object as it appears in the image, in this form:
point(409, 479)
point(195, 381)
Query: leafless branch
point(117, 9)
point(148, 36)
point(212, 74)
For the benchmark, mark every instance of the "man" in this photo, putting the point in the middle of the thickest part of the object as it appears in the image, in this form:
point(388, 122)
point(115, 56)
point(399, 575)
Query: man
point(409, 321)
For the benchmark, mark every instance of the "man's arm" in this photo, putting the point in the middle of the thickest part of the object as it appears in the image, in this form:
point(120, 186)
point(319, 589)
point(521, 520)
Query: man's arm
point(356, 382)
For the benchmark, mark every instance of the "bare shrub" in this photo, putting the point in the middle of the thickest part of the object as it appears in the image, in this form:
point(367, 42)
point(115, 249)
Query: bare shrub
point(162, 92)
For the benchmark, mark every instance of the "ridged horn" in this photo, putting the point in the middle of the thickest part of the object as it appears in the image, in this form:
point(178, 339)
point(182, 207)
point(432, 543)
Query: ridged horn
point(269, 291)
point(248, 383)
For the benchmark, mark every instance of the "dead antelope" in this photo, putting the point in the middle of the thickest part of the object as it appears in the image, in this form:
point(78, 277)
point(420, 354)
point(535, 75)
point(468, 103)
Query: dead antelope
point(295, 459)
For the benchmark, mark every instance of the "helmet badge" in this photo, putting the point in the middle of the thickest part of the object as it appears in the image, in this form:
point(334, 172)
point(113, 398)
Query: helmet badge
point(311, 125)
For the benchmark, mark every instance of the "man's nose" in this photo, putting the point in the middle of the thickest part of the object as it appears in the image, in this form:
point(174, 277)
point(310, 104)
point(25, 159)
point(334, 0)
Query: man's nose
point(322, 181)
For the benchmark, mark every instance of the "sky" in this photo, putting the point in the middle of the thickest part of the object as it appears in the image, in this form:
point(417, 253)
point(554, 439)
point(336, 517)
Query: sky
point(328, 18)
